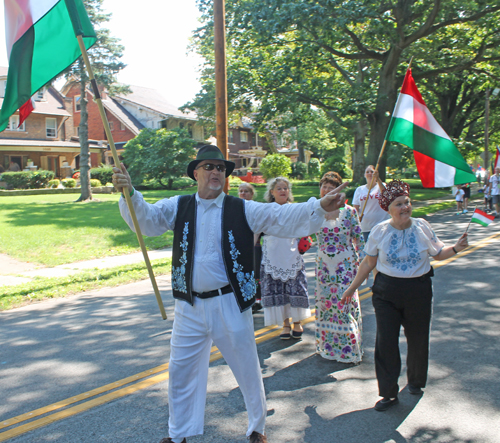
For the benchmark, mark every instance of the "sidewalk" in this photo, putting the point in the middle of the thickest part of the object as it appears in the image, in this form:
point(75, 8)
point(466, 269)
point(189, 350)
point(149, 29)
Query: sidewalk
point(13, 272)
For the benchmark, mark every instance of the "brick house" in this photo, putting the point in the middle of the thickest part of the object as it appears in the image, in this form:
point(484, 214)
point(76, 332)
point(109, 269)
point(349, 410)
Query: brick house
point(44, 140)
point(129, 113)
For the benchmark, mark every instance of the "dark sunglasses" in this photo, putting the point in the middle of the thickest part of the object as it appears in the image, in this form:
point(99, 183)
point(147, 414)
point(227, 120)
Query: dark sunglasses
point(211, 166)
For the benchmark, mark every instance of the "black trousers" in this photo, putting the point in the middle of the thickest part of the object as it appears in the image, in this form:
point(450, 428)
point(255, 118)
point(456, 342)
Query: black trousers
point(403, 302)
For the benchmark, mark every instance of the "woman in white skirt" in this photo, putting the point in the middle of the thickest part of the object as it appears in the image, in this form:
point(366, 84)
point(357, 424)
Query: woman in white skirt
point(283, 276)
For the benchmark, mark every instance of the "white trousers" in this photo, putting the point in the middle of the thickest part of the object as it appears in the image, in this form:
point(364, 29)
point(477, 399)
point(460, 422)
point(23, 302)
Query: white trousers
point(216, 319)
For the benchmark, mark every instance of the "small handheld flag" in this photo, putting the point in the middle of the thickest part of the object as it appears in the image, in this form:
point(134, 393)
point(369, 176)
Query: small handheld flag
point(481, 217)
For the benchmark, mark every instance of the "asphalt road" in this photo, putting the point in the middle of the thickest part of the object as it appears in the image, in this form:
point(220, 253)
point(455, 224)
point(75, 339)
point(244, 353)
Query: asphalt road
point(92, 368)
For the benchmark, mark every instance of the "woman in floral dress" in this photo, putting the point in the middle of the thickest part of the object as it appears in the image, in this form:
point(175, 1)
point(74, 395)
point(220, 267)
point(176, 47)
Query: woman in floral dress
point(340, 245)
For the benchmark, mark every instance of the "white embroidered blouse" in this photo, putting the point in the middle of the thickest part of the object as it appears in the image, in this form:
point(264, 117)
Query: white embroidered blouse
point(403, 253)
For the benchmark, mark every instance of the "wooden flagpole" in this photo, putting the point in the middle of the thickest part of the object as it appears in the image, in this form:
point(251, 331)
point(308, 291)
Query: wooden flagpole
point(376, 167)
point(221, 79)
point(126, 192)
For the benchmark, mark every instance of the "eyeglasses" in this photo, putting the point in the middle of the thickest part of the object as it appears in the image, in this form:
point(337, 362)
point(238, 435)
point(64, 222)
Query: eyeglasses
point(211, 166)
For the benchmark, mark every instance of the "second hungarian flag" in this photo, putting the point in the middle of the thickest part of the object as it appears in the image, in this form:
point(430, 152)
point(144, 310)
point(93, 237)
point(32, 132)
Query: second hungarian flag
point(41, 43)
point(439, 163)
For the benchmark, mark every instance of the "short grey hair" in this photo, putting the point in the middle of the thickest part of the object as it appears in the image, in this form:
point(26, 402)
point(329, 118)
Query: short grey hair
point(271, 184)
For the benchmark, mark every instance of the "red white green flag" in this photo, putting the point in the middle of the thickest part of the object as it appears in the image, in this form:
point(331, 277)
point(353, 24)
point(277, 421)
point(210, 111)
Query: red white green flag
point(439, 163)
point(41, 43)
point(481, 217)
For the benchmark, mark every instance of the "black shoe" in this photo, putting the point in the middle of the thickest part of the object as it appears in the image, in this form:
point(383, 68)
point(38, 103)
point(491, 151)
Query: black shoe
point(256, 307)
point(385, 403)
point(415, 390)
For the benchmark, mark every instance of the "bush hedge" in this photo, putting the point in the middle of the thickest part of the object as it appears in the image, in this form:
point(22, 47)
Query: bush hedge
point(54, 183)
point(94, 183)
point(102, 174)
point(69, 183)
point(28, 179)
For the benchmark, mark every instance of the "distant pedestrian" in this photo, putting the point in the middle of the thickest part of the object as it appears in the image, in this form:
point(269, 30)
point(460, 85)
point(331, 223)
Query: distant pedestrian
point(402, 292)
point(466, 189)
point(459, 197)
point(494, 190)
point(487, 198)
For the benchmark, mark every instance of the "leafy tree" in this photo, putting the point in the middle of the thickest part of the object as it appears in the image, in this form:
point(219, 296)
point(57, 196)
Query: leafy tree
point(275, 165)
point(346, 57)
point(104, 57)
point(160, 155)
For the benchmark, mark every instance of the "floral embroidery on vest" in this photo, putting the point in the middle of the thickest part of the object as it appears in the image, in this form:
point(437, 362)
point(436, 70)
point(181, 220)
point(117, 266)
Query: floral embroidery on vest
point(410, 257)
point(246, 281)
point(179, 273)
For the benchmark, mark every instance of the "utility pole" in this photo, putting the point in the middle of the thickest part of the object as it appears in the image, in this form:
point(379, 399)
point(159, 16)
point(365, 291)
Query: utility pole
point(221, 79)
point(486, 128)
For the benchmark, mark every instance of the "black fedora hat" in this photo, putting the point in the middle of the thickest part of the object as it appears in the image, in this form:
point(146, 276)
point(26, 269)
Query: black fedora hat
point(209, 152)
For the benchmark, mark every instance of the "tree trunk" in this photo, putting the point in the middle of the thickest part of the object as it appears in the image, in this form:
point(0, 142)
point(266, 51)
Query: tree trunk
point(358, 152)
point(86, 193)
point(380, 118)
point(302, 155)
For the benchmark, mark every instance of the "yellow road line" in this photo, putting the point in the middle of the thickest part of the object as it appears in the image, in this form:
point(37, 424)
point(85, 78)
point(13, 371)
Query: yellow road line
point(141, 382)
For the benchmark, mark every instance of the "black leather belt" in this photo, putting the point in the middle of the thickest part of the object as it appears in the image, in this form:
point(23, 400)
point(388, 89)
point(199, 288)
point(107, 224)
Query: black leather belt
point(225, 290)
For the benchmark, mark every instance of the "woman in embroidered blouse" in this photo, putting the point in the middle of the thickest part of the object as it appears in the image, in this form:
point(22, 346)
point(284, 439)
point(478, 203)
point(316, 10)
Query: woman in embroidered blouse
point(402, 293)
point(340, 244)
point(283, 276)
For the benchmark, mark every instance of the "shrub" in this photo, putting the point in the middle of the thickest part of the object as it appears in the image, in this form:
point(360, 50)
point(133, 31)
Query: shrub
point(299, 170)
point(69, 183)
point(40, 179)
point(17, 180)
point(275, 165)
point(94, 183)
point(314, 168)
point(54, 183)
point(103, 174)
point(28, 179)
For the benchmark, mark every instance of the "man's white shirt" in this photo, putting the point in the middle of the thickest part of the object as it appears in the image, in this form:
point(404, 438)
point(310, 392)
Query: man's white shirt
point(289, 220)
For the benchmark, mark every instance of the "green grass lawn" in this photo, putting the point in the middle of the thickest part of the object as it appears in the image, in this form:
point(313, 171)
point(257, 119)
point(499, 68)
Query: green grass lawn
point(53, 229)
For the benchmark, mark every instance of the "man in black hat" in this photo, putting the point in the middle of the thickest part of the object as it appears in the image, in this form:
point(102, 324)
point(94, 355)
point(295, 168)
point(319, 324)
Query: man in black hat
point(213, 282)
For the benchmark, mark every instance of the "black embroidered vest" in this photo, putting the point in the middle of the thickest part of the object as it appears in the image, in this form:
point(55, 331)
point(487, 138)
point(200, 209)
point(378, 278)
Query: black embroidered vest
point(237, 250)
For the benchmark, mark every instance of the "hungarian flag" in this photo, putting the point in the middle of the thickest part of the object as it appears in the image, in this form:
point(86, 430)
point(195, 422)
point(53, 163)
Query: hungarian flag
point(481, 217)
point(41, 43)
point(439, 163)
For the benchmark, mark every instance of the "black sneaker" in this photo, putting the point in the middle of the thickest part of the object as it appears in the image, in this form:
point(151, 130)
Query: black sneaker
point(385, 403)
point(415, 390)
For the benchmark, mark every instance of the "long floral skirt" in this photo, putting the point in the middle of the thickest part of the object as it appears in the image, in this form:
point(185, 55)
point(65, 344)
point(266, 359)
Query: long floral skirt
point(338, 327)
point(282, 300)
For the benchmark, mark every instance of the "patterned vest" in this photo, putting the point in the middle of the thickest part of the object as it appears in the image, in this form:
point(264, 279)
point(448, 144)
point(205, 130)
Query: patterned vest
point(237, 244)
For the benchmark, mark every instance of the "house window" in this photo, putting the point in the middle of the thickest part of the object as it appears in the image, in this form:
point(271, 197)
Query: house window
point(111, 126)
point(51, 127)
point(190, 130)
point(40, 95)
point(230, 136)
point(14, 123)
point(244, 136)
point(76, 98)
point(122, 126)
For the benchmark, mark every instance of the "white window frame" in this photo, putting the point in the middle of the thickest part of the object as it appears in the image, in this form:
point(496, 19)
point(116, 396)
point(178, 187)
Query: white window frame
point(40, 95)
point(243, 136)
point(77, 98)
point(14, 123)
point(49, 128)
